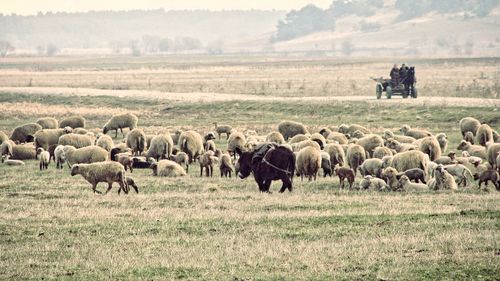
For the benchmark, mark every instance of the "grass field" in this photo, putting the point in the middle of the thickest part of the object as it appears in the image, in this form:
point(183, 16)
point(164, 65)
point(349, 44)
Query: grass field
point(192, 228)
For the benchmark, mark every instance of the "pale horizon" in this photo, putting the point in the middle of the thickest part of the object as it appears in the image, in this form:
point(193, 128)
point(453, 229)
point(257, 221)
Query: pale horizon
point(32, 7)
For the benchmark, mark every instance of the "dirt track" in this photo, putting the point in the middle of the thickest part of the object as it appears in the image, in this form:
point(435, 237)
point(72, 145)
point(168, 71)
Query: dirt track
point(212, 97)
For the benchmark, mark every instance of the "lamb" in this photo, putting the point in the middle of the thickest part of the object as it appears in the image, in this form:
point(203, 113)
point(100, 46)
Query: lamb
point(414, 133)
point(415, 174)
point(443, 141)
point(337, 154)
point(390, 175)
point(136, 140)
point(95, 173)
point(182, 159)
point(308, 162)
point(459, 171)
point(484, 134)
point(76, 140)
point(44, 158)
point(469, 136)
point(3, 137)
point(369, 142)
point(326, 164)
point(48, 123)
point(88, 154)
point(431, 147)
point(130, 183)
point(191, 143)
point(12, 162)
point(6, 149)
point(140, 163)
point(409, 186)
point(207, 161)
point(371, 167)
point(449, 159)
point(442, 180)
point(106, 142)
point(410, 159)
point(290, 128)
point(73, 122)
point(276, 137)
point(120, 121)
point(474, 150)
point(469, 124)
point(161, 147)
point(25, 133)
point(46, 137)
point(492, 151)
point(298, 138)
point(167, 168)
point(369, 182)
point(382, 151)
point(402, 139)
point(337, 137)
point(226, 165)
point(59, 156)
point(236, 140)
point(126, 160)
point(223, 129)
point(350, 129)
point(356, 155)
point(466, 159)
point(488, 175)
point(345, 173)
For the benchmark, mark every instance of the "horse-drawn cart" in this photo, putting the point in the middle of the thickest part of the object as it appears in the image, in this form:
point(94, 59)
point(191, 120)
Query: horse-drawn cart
point(387, 85)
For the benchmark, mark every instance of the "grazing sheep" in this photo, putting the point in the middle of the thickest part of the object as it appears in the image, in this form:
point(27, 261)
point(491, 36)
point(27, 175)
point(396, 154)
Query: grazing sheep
point(175, 136)
point(369, 142)
point(469, 124)
point(276, 137)
point(442, 139)
point(390, 175)
point(126, 160)
point(136, 140)
point(459, 171)
point(326, 164)
point(345, 173)
point(298, 138)
point(308, 162)
point(207, 161)
point(131, 183)
point(430, 146)
point(59, 156)
point(223, 129)
point(409, 186)
point(88, 154)
point(46, 137)
point(369, 182)
point(25, 133)
point(402, 139)
point(106, 142)
point(23, 152)
point(337, 154)
point(6, 148)
point(11, 162)
point(488, 175)
point(95, 173)
point(325, 132)
point(484, 134)
point(414, 133)
point(120, 121)
point(416, 174)
point(350, 129)
point(307, 143)
point(356, 155)
point(337, 137)
point(226, 165)
point(73, 122)
point(473, 150)
point(382, 151)
point(191, 143)
point(400, 147)
point(469, 136)
point(182, 159)
point(48, 123)
point(44, 158)
point(161, 147)
point(76, 140)
point(443, 179)
point(317, 137)
point(290, 129)
point(236, 140)
point(409, 160)
point(371, 167)
point(492, 151)
point(3, 137)
point(167, 168)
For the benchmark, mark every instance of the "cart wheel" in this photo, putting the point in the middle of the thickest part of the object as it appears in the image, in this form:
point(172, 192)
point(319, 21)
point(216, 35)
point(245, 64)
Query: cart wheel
point(388, 92)
point(414, 93)
point(378, 91)
point(405, 94)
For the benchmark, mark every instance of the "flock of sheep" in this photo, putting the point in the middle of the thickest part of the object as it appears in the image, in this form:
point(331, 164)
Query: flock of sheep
point(409, 160)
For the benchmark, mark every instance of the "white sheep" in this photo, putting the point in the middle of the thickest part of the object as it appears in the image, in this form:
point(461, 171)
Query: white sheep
point(44, 157)
point(95, 173)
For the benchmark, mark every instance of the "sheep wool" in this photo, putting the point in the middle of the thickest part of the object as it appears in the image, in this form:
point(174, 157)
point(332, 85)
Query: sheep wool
point(73, 122)
point(95, 173)
point(106, 142)
point(308, 162)
point(48, 123)
point(120, 121)
point(136, 140)
point(191, 143)
point(484, 135)
point(167, 168)
point(88, 154)
point(290, 128)
point(469, 124)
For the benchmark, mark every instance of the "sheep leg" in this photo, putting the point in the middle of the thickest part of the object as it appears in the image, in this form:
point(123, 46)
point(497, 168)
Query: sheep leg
point(94, 186)
point(110, 185)
point(121, 130)
point(201, 171)
point(211, 171)
point(341, 183)
point(130, 166)
point(116, 133)
point(135, 188)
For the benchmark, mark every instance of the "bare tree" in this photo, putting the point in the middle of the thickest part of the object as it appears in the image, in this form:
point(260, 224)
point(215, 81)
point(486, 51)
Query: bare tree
point(5, 48)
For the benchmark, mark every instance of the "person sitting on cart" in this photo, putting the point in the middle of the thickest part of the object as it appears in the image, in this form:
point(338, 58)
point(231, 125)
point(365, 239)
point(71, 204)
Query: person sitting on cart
point(403, 74)
point(394, 75)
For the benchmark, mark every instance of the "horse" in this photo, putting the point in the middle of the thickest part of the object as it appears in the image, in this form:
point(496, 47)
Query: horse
point(268, 162)
point(409, 80)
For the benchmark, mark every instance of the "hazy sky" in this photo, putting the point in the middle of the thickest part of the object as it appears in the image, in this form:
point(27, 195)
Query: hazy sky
point(33, 6)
